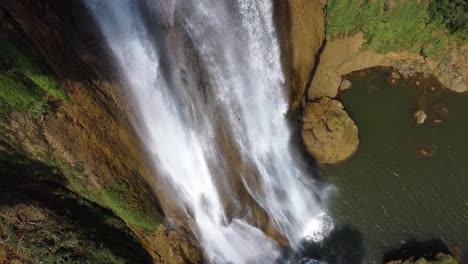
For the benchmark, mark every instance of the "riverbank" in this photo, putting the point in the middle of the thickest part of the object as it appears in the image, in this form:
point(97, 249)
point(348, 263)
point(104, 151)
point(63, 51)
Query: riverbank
point(400, 36)
point(403, 171)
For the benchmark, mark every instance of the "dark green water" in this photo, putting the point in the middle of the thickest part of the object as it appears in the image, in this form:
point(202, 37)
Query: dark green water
point(387, 191)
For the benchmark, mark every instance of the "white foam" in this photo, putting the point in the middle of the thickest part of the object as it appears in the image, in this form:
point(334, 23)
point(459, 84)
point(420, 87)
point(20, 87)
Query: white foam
point(242, 57)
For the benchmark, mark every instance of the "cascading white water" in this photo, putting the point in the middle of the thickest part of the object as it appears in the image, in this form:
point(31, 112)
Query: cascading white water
point(237, 43)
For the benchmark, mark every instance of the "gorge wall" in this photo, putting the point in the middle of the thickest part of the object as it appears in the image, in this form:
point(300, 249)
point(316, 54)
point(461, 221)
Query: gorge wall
point(83, 133)
point(84, 136)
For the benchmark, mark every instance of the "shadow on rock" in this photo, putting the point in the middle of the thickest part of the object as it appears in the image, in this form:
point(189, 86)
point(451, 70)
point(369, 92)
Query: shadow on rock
point(416, 249)
point(343, 246)
point(54, 223)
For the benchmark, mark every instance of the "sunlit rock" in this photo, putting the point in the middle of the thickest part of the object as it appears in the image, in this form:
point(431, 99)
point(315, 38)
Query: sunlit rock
point(329, 134)
point(420, 117)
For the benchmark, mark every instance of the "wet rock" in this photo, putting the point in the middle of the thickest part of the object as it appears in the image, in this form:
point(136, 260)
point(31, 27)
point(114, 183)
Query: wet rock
point(425, 152)
point(396, 75)
point(440, 109)
point(439, 258)
point(177, 245)
point(420, 117)
point(345, 85)
point(329, 134)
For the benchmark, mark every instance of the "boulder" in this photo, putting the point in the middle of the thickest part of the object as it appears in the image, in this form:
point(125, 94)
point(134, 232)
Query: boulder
point(420, 117)
point(396, 75)
point(345, 85)
point(329, 134)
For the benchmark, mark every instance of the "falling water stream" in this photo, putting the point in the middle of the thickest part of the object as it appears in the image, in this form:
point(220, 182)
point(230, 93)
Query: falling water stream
point(241, 91)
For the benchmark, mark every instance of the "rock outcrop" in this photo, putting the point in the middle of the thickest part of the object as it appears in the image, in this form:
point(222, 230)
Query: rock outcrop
point(420, 117)
point(344, 55)
point(440, 258)
point(329, 134)
point(302, 31)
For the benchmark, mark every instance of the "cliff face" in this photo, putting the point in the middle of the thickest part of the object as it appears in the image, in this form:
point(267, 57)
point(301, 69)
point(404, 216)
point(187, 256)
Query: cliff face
point(301, 27)
point(74, 120)
point(43, 222)
point(83, 134)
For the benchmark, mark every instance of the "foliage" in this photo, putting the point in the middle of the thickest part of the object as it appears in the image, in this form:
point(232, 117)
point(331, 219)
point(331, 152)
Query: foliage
point(453, 14)
point(389, 26)
point(24, 83)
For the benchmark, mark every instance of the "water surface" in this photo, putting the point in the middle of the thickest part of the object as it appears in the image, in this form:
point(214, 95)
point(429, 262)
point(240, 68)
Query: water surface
point(390, 190)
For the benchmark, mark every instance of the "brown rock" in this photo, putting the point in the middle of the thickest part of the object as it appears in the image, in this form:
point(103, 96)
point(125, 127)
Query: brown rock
point(177, 245)
point(344, 55)
point(441, 109)
point(302, 31)
point(329, 134)
point(396, 75)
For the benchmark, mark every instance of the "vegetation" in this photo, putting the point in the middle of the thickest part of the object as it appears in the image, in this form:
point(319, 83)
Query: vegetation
point(393, 26)
point(453, 14)
point(118, 196)
point(56, 245)
point(41, 222)
point(25, 84)
point(127, 204)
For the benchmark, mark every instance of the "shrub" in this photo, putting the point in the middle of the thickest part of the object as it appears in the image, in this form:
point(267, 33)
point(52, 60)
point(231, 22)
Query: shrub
point(453, 14)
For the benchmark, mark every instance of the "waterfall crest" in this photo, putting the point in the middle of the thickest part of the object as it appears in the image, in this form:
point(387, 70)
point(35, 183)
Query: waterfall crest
point(237, 87)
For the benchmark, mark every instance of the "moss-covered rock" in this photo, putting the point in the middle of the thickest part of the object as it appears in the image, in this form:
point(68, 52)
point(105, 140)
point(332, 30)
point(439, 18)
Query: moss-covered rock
point(42, 222)
point(86, 137)
point(25, 84)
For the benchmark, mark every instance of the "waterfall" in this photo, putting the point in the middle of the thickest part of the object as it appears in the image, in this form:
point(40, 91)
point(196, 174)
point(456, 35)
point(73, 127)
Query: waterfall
point(242, 94)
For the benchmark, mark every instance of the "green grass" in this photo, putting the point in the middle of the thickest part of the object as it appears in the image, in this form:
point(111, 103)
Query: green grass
point(25, 84)
point(407, 26)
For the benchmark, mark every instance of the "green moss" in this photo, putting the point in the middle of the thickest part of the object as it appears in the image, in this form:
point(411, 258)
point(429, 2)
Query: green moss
point(388, 27)
point(122, 199)
point(58, 226)
point(25, 84)
point(119, 196)
point(16, 95)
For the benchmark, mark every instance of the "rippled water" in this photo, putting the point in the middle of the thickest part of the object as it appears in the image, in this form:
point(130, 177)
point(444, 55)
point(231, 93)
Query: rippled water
point(387, 192)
